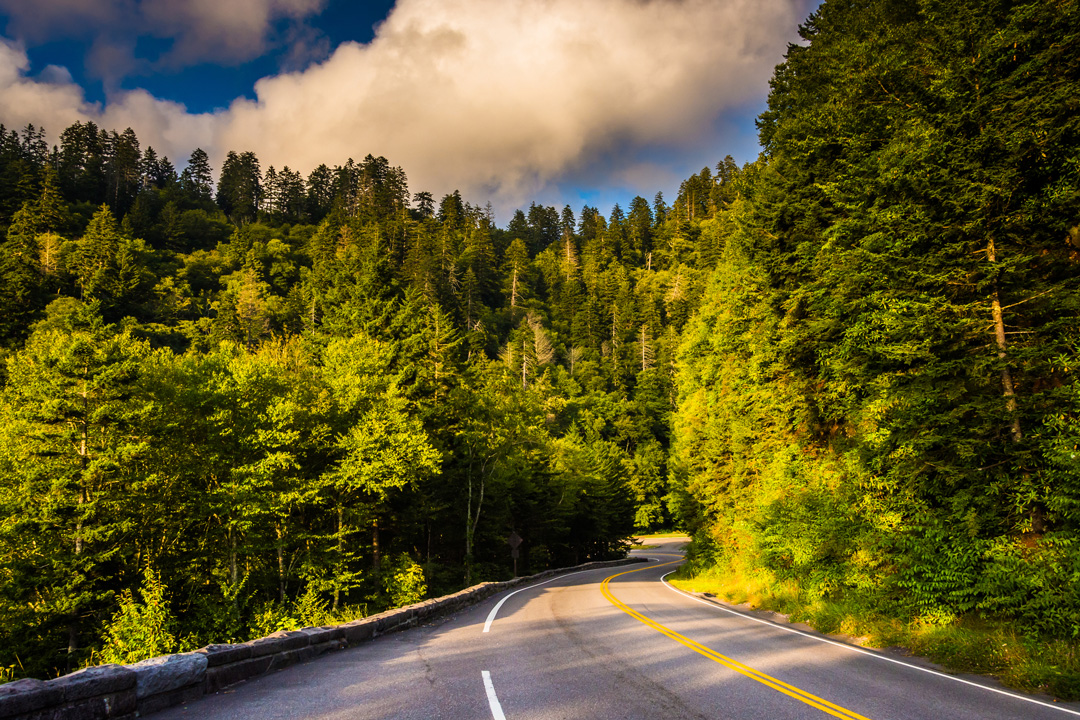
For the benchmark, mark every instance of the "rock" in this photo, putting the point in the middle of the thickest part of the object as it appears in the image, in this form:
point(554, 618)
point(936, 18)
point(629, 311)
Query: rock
point(291, 657)
point(168, 672)
point(25, 696)
point(265, 646)
point(226, 675)
point(320, 635)
point(291, 639)
point(224, 654)
point(94, 681)
point(326, 647)
point(277, 642)
point(358, 630)
point(391, 620)
point(182, 696)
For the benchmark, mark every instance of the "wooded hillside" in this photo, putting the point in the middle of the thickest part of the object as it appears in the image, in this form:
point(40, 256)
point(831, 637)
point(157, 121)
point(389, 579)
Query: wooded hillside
point(272, 399)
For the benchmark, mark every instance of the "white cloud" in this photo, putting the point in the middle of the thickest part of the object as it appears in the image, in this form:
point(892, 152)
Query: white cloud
point(511, 95)
point(228, 31)
point(222, 30)
point(500, 99)
point(43, 20)
point(55, 102)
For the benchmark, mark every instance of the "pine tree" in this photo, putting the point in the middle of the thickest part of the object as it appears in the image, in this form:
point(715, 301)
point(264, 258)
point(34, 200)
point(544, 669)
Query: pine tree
point(21, 289)
point(72, 415)
point(197, 178)
point(240, 188)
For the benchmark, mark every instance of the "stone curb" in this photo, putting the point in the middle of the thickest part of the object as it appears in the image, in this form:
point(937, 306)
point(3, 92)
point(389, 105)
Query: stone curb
point(115, 692)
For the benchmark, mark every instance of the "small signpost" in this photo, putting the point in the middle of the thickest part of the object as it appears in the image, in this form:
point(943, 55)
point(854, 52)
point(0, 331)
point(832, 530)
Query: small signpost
point(515, 542)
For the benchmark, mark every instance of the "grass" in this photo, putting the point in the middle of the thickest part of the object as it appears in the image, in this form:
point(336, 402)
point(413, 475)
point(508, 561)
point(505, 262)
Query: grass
point(8, 674)
point(959, 644)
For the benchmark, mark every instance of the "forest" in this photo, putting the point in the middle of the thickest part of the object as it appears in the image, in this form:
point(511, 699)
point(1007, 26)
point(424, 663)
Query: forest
point(273, 400)
point(268, 400)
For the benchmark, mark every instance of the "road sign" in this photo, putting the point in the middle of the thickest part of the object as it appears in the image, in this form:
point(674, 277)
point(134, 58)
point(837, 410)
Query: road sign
point(515, 542)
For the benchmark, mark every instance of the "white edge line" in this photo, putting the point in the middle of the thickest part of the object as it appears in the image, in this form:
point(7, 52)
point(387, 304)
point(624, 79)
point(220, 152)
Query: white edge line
point(495, 610)
point(863, 651)
point(493, 699)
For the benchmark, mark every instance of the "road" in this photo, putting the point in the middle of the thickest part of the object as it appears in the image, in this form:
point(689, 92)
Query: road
point(612, 643)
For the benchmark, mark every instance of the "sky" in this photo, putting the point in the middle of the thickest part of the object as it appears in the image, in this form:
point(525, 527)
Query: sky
point(510, 101)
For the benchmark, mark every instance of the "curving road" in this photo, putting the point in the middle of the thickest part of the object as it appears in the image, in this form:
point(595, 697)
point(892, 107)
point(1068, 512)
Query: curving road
point(613, 643)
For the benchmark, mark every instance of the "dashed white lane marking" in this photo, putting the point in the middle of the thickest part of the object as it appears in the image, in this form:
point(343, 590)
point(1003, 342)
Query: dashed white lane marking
point(861, 651)
point(493, 699)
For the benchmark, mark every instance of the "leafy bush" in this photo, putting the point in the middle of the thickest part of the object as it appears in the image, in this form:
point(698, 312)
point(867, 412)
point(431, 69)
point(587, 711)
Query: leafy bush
point(140, 630)
point(404, 581)
point(272, 617)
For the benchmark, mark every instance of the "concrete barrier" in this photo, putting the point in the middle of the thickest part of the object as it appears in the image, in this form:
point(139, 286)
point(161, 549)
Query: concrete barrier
point(115, 692)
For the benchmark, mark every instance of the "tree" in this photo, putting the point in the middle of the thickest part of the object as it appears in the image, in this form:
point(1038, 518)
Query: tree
point(107, 267)
point(123, 170)
point(380, 448)
point(320, 192)
point(240, 190)
point(516, 267)
point(72, 413)
point(197, 179)
point(890, 292)
point(21, 291)
point(140, 629)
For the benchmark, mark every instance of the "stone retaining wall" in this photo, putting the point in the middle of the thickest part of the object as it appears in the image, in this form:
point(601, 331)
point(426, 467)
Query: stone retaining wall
point(124, 692)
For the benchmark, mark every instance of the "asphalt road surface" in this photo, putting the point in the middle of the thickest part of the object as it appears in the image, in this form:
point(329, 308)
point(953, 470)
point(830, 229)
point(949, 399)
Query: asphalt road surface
point(613, 643)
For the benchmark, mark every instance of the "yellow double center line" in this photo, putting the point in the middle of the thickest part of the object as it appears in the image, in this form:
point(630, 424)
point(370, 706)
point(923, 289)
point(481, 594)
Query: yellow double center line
point(779, 685)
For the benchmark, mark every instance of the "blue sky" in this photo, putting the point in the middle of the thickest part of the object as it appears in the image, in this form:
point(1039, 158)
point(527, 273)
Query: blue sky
point(549, 100)
point(202, 86)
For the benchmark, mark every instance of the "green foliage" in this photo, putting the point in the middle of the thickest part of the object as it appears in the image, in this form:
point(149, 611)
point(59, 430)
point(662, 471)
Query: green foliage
point(875, 401)
point(270, 618)
point(404, 581)
point(10, 673)
point(301, 399)
point(311, 608)
point(140, 629)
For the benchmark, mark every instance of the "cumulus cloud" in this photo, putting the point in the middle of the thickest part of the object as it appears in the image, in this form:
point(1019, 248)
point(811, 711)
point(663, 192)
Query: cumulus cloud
point(507, 96)
point(224, 31)
point(52, 100)
point(231, 31)
point(500, 99)
point(43, 20)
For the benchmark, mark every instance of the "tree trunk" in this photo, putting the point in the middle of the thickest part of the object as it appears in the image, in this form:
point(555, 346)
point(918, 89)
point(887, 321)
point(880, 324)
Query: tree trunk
point(375, 554)
point(81, 499)
point(999, 334)
point(232, 557)
point(524, 365)
point(281, 562)
point(468, 525)
point(340, 555)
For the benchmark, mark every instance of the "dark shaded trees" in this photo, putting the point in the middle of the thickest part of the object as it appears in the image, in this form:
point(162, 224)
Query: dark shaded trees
point(239, 189)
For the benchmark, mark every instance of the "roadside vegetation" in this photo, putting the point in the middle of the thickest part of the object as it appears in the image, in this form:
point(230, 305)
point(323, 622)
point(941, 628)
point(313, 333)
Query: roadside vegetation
point(964, 644)
point(848, 368)
point(878, 415)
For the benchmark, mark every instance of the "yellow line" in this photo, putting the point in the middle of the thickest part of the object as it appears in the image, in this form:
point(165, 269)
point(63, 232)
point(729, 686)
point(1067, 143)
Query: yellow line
point(780, 686)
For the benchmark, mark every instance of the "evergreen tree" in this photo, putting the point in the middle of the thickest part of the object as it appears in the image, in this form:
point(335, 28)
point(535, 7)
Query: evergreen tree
point(240, 189)
point(72, 415)
point(197, 179)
